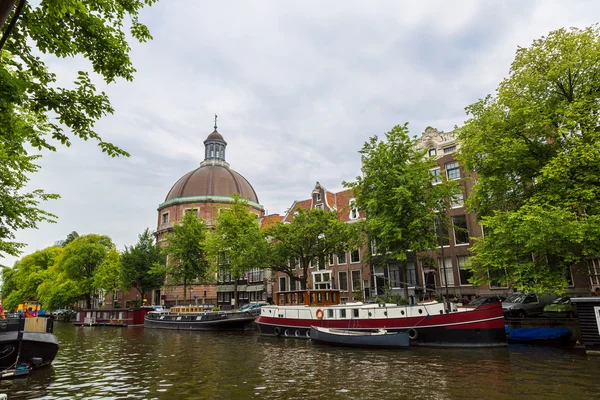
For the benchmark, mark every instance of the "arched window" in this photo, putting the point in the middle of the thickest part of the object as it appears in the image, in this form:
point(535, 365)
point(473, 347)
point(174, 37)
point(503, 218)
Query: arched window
point(212, 150)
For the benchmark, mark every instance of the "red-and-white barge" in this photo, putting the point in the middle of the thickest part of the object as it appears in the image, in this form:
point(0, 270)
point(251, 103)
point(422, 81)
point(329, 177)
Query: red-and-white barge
point(427, 324)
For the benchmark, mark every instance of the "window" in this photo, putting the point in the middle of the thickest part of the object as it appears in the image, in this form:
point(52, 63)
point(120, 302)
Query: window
point(355, 256)
point(256, 275)
point(321, 263)
point(395, 276)
point(282, 284)
point(461, 233)
point(212, 150)
point(444, 232)
point(193, 211)
point(319, 196)
point(330, 313)
point(452, 171)
point(411, 273)
point(498, 278)
point(465, 273)
point(356, 281)
point(165, 218)
point(292, 285)
point(449, 271)
point(355, 312)
point(341, 258)
point(322, 280)
point(375, 246)
point(436, 176)
point(330, 257)
point(594, 271)
point(343, 281)
point(353, 209)
point(432, 152)
point(457, 200)
point(450, 149)
point(343, 313)
point(319, 206)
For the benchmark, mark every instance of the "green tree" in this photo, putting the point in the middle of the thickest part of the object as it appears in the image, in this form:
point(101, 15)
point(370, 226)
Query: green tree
point(109, 275)
point(70, 237)
point(140, 262)
point(398, 193)
point(80, 261)
point(186, 257)
point(36, 110)
point(21, 282)
point(237, 244)
point(311, 237)
point(535, 147)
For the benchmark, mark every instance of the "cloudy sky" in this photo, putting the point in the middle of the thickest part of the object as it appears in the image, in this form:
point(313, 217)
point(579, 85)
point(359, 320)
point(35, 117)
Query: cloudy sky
point(298, 87)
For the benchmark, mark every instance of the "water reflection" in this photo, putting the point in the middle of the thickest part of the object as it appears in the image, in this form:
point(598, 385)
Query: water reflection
point(115, 363)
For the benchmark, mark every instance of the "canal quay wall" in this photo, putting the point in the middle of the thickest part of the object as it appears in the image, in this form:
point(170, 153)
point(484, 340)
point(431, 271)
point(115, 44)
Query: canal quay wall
point(571, 324)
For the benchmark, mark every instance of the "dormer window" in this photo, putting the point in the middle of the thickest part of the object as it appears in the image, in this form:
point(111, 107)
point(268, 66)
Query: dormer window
point(353, 209)
point(319, 196)
point(450, 149)
point(432, 152)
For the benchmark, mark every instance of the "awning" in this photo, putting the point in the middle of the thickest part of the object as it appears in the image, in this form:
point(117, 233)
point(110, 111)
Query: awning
point(230, 288)
point(255, 288)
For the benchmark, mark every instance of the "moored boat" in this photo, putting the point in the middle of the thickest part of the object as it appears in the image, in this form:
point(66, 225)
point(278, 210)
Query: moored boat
point(355, 338)
point(539, 335)
point(588, 314)
point(192, 318)
point(426, 324)
point(27, 341)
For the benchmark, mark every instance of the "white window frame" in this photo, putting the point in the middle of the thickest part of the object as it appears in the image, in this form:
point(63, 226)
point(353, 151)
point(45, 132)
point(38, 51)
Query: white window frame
point(436, 177)
point(322, 282)
point(449, 149)
point(331, 259)
point(319, 206)
point(345, 258)
point(318, 196)
point(352, 280)
point(340, 280)
point(197, 214)
point(453, 168)
point(458, 200)
point(284, 278)
point(355, 262)
point(432, 152)
point(449, 271)
point(466, 227)
point(462, 266)
point(354, 214)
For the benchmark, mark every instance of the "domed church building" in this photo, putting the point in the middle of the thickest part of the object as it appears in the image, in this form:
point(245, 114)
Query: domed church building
point(204, 191)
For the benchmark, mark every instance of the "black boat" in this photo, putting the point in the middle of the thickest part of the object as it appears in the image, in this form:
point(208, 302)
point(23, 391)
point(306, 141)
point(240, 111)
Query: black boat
point(355, 338)
point(27, 341)
point(199, 321)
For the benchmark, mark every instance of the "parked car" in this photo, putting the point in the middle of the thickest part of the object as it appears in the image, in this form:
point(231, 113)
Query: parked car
point(251, 307)
point(523, 305)
point(561, 307)
point(477, 301)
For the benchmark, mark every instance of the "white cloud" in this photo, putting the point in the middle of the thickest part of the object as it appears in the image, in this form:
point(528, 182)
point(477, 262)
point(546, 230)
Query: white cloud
point(298, 87)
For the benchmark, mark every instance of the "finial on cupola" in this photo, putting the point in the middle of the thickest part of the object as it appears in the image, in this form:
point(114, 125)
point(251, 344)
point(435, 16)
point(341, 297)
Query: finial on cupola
point(215, 122)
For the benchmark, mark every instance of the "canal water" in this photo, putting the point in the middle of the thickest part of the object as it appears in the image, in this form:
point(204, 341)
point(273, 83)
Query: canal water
point(138, 363)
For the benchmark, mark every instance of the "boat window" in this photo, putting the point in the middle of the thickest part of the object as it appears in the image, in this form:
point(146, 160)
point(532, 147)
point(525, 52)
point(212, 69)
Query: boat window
point(326, 296)
point(178, 318)
point(343, 313)
point(312, 298)
point(198, 318)
point(355, 312)
point(329, 313)
point(320, 297)
point(162, 317)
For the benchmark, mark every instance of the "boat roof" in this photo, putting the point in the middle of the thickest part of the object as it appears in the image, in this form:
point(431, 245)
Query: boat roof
point(585, 299)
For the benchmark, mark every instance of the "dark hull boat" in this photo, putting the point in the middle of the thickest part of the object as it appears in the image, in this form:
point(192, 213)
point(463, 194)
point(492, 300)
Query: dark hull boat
point(353, 338)
point(428, 324)
point(27, 341)
point(544, 335)
point(209, 321)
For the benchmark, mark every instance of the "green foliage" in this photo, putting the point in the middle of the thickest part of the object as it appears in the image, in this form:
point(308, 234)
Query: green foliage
point(21, 282)
point(109, 275)
point(36, 112)
point(389, 297)
point(186, 260)
point(237, 244)
point(535, 147)
point(398, 193)
point(311, 236)
point(143, 264)
point(81, 259)
point(70, 237)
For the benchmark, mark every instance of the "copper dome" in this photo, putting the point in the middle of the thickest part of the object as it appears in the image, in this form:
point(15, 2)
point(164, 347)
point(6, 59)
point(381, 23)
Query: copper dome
point(212, 181)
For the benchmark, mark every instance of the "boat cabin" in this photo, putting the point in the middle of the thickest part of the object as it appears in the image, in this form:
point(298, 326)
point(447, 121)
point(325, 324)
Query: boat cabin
point(588, 314)
point(325, 297)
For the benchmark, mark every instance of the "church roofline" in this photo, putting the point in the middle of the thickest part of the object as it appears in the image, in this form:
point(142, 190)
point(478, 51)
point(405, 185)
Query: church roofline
point(204, 199)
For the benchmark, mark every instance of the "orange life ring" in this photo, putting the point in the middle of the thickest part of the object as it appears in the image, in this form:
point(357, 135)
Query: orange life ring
point(320, 313)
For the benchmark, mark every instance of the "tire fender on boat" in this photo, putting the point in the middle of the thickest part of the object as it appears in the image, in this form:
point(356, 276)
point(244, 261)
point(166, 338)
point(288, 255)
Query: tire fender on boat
point(277, 331)
point(413, 334)
point(320, 313)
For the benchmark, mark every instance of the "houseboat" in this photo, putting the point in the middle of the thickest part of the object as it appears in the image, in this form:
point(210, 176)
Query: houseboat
point(194, 318)
point(588, 314)
point(429, 324)
point(26, 340)
point(112, 316)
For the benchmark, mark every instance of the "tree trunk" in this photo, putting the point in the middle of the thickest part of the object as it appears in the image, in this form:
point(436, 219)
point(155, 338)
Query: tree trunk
point(6, 7)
